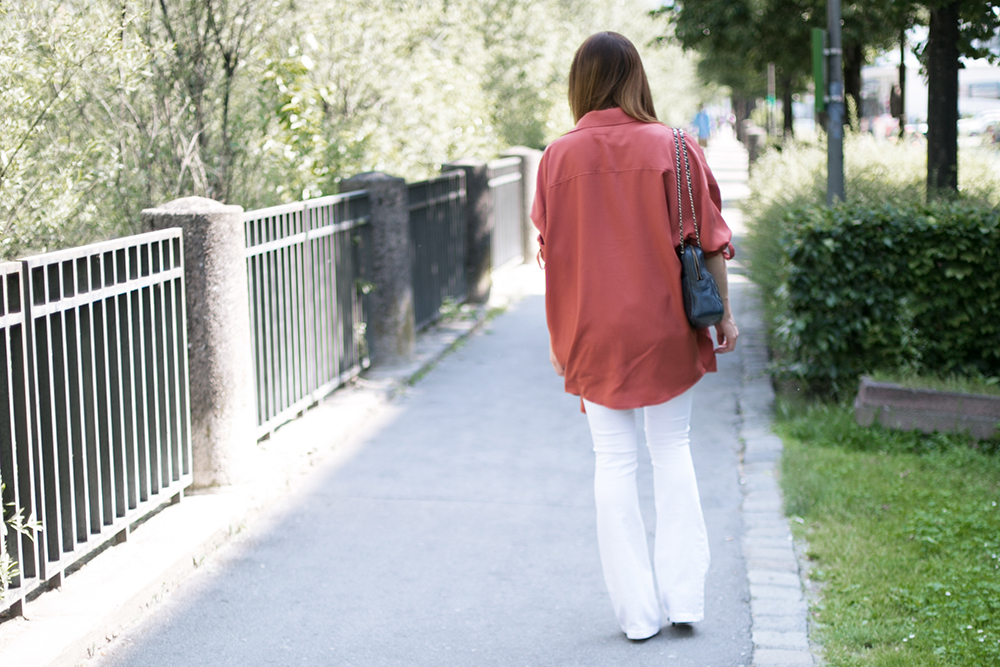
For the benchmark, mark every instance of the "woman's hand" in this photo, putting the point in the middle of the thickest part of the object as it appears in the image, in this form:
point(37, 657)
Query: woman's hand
point(560, 369)
point(726, 333)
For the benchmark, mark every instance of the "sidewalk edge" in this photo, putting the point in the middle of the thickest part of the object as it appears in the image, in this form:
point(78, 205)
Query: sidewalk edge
point(779, 606)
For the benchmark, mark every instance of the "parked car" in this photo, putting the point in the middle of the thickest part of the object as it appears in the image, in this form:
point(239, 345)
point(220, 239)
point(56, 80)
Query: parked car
point(979, 123)
point(991, 135)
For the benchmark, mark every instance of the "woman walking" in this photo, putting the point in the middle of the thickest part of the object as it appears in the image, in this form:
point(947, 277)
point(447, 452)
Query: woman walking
point(607, 212)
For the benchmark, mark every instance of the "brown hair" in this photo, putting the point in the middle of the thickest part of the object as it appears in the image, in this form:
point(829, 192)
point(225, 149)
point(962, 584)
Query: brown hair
point(607, 72)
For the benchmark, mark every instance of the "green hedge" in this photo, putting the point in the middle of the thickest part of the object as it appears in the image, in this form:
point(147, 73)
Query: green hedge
point(869, 288)
point(875, 173)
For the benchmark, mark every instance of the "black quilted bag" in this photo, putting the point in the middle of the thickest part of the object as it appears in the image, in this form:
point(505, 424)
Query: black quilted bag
point(702, 302)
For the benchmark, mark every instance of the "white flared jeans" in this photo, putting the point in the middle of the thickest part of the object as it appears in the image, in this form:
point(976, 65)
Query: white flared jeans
point(681, 548)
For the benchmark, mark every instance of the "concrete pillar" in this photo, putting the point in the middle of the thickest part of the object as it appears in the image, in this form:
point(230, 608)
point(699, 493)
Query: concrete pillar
point(745, 126)
point(756, 138)
point(391, 322)
point(530, 158)
point(223, 417)
point(479, 228)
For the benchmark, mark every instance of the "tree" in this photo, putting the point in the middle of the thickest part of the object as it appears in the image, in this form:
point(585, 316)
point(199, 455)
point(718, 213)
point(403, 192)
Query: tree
point(196, 115)
point(61, 66)
point(738, 39)
point(867, 27)
point(942, 99)
point(957, 28)
point(111, 106)
point(405, 87)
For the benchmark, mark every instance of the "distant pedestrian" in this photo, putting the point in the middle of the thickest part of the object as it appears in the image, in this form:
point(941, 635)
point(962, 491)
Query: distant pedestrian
point(703, 124)
point(606, 210)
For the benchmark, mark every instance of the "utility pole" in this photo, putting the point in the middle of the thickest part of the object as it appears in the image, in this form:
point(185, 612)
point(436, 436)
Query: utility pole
point(835, 108)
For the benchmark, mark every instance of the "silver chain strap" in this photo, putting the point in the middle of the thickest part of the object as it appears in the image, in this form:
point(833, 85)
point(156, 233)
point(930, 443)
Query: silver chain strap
point(677, 173)
point(680, 145)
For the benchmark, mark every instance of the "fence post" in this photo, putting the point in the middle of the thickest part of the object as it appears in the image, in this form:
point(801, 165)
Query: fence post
point(479, 228)
point(530, 157)
point(218, 326)
point(391, 323)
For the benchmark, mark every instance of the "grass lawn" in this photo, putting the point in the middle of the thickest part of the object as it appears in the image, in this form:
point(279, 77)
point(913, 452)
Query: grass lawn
point(904, 538)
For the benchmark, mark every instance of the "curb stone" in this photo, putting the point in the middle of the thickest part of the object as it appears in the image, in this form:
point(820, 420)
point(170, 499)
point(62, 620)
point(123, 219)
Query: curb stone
point(779, 608)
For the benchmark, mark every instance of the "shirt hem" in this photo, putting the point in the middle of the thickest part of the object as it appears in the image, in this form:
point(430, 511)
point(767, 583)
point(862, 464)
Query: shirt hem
point(639, 403)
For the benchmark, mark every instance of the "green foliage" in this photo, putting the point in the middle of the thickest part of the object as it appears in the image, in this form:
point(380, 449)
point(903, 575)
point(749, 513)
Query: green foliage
point(64, 67)
point(12, 523)
point(724, 34)
point(882, 281)
point(408, 88)
point(825, 424)
point(879, 287)
point(111, 106)
point(738, 38)
point(902, 532)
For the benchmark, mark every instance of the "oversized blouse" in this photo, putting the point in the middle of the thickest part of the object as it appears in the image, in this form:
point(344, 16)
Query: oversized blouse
point(607, 215)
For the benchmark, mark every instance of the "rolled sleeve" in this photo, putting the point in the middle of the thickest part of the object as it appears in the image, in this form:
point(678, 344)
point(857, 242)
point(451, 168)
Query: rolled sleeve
point(715, 233)
point(538, 209)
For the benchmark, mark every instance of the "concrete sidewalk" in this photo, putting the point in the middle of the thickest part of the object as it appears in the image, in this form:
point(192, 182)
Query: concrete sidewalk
point(452, 525)
point(460, 533)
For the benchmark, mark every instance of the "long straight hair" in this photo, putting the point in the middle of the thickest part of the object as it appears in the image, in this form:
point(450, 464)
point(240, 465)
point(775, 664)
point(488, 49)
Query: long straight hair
point(607, 72)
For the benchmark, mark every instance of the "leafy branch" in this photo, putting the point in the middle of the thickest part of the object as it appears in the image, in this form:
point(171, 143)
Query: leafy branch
point(14, 521)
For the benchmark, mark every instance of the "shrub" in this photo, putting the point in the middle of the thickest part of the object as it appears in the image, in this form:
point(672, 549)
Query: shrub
point(879, 287)
point(884, 183)
point(875, 173)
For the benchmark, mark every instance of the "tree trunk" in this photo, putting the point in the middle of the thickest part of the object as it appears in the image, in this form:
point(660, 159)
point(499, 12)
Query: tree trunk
point(741, 108)
point(942, 102)
point(902, 84)
point(854, 58)
point(788, 130)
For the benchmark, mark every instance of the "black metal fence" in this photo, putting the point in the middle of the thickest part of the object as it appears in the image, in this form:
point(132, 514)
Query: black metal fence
point(94, 403)
point(95, 382)
point(437, 243)
point(17, 452)
point(506, 210)
point(306, 268)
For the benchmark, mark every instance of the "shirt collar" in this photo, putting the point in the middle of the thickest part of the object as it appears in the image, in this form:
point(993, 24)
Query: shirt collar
point(601, 117)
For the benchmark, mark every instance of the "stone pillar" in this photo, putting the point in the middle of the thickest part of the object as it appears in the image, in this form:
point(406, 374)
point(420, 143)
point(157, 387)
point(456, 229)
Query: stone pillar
point(391, 322)
point(223, 416)
point(478, 229)
point(530, 158)
point(756, 139)
point(745, 126)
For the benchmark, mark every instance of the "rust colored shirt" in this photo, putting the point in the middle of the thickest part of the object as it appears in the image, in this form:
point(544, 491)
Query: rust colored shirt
point(606, 211)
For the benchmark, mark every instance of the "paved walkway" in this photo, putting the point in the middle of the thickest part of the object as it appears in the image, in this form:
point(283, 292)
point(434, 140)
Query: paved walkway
point(461, 529)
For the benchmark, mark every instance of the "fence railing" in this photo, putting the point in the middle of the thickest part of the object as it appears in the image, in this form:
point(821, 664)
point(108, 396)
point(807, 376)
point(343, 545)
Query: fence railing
point(437, 243)
point(506, 210)
point(17, 451)
point(95, 426)
point(97, 378)
point(306, 265)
